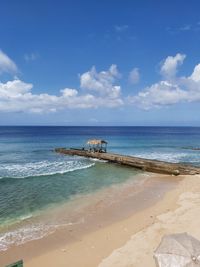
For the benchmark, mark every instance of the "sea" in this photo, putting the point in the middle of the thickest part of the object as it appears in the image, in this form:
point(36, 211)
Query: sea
point(34, 179)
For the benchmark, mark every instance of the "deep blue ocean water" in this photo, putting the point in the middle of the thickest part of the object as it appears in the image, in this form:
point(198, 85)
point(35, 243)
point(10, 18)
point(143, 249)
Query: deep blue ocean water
point(33, 176)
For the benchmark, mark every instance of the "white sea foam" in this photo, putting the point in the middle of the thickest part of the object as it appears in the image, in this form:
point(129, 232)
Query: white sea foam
point(171, 157)
point(25, 217)
point(98, 160)
point(30, 232)
point(42, 168)
point(25, 234)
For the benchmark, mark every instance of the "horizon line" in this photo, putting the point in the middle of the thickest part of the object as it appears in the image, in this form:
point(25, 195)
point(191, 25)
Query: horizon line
point(50, 125)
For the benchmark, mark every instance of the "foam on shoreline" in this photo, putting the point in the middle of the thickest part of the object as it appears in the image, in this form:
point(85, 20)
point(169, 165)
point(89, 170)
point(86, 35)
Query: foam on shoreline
point(97, 210)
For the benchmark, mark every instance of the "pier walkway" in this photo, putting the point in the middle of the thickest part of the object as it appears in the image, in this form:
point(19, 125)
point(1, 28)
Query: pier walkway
point(148, 165)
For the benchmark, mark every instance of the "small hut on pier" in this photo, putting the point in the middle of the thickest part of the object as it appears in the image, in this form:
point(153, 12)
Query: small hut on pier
point(97, 145)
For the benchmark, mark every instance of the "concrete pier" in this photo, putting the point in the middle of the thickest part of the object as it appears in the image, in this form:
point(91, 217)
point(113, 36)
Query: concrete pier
point(148, 165)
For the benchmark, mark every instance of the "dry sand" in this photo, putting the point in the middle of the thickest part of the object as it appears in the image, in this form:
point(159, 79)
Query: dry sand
point(183, 216)
point(125, 242)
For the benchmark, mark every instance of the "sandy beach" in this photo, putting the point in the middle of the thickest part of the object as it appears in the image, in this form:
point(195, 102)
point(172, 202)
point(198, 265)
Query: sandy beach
point(99, 133)
point(117, 235)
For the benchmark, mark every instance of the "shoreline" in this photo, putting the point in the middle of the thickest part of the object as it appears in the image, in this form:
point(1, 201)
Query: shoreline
point(182, 215)
point(101, 216)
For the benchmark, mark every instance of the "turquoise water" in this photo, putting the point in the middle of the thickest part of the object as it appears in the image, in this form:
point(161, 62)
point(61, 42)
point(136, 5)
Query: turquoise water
point(24, 196)
point(33, 177)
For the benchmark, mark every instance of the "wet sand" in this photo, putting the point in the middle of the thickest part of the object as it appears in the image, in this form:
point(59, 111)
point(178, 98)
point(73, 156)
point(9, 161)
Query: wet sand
point(111, 223)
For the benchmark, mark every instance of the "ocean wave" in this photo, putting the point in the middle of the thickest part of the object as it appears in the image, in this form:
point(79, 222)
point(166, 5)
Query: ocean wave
point(42, 168)
point(31, 232)
point(26, 217)
point(25, 234)
point(98, 160)
point(170, 157)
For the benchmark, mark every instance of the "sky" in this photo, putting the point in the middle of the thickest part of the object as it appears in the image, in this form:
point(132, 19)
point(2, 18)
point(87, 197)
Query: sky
point(102, 62)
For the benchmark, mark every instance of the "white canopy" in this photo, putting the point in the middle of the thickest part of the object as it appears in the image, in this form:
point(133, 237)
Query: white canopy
point(178, 250)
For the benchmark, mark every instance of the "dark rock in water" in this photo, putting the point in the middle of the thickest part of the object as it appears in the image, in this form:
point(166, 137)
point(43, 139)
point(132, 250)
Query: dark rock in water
point(191, 148)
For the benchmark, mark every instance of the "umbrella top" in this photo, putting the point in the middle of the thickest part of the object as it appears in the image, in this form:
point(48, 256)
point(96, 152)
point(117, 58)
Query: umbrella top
point(180, 248)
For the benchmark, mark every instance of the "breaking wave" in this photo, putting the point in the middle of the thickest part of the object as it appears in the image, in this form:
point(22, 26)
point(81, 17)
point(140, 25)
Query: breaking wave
point(98, 160)
point(27, 233)
point(42, 168)
point(170, 157)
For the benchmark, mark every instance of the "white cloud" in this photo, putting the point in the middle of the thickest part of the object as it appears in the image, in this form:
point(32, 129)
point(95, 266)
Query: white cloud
point(17, 96)
point(14, 89)
point(102, 82)
point(170, 91)
point(196, 74)
point(67, 92)
point(101, 89)
point(7, 65)
point(134, 76)
point(159, 94)
point(170, 65)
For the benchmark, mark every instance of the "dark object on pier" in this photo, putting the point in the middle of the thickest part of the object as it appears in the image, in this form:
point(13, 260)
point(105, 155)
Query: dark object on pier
point(155, 166)
point(16, 264)
point(96, 145)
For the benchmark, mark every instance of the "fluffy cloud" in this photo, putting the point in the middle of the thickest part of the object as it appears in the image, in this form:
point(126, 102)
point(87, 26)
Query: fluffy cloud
point(158, 94)
point(134, 76)
point(196, 74)
point(68, 92)
point(6, 64)
point(17, 96)
point(170, 65)
point(101, 89)
point(170, 91)
point(102, 82)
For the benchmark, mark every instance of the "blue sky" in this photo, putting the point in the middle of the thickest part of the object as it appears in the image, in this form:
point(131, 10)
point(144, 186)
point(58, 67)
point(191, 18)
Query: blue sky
point(100, 62)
